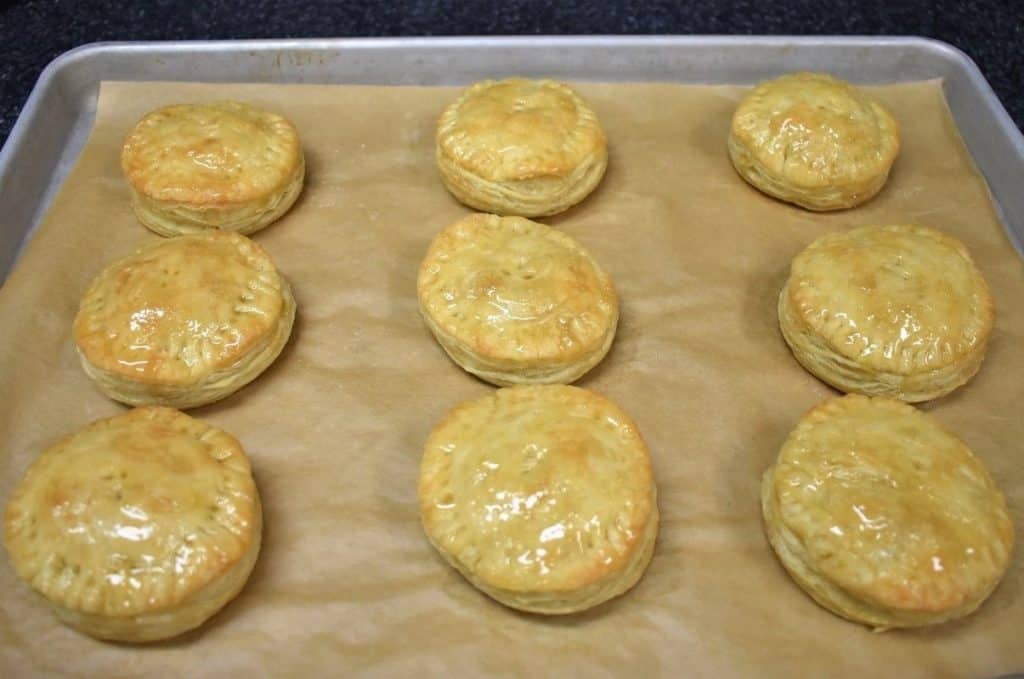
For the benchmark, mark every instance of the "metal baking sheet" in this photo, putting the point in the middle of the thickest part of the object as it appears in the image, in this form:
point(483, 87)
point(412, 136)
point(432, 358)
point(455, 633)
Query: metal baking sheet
point(58, 115)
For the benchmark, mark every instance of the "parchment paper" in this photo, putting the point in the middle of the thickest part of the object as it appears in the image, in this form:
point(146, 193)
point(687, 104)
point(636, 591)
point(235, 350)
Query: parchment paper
point(346, 582)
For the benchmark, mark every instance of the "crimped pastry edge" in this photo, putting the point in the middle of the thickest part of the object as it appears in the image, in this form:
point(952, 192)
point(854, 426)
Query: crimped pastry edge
point(510, 373)
point(815, 198)
point(818, 356)
point(173, 218)
point(534, 197)
point(168, 623)
point(564, 603)
point(213, 387)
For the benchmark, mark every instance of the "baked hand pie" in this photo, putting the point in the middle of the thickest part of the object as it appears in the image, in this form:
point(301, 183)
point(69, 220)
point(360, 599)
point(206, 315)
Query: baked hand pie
point(813, 140)
point(883, 517)
point(899, 311)
point(185, 321)
point(224, 165)
point(138, 527)
point(542, 497)
point(516, 302)
point(520, 147)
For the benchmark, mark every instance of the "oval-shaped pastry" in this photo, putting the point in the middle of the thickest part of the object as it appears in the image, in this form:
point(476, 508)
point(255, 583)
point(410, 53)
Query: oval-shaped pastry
point(883, 517)
point(185, 321)
point(899, 311)
point(542, 497)
point(516, 302)
point(520, 147)
point(224, 165)
point(138, 527)
point(813, 140)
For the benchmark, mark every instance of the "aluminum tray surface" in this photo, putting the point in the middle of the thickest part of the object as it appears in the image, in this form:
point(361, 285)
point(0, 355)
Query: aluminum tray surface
point(58, 115)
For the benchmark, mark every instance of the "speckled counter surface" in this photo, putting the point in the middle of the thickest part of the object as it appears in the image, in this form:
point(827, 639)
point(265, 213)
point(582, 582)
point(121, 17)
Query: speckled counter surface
point(33, 32)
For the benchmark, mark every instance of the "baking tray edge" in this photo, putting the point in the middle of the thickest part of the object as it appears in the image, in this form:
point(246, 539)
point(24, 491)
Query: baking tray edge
point(55, 121)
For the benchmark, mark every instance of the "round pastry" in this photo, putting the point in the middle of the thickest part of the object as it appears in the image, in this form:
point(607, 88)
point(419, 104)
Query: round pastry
point(813, 140)
point(542, 497)
point(516, 302)
point(883, 517)
point(225, 165)
point(138, 527)
point(520, 147)
point(185, 321)
point(897, 311)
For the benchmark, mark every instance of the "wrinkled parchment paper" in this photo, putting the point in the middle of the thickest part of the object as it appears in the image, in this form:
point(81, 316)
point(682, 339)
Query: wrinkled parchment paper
point(346, 582)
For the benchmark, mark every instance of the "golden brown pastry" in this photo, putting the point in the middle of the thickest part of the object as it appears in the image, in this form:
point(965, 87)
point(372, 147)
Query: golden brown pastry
point(813, 140)
point(542, 497)
point(185, 321)
point(897, 311)
point(520, 147)
point(883, 517)
point(516, 302)
point(224, 165)
point(138, 527)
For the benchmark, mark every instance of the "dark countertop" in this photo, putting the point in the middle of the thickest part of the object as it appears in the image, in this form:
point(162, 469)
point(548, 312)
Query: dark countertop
point(34, 32)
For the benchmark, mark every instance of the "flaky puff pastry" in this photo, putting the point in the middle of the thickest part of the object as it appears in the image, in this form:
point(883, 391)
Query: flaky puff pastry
point(520, 147)
point(516, 302)
point(138, 527)
point(542, 497)
point(224, 165)
point(813, 140)
point(883, 517)
point(899, 311)
point(185, 321)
